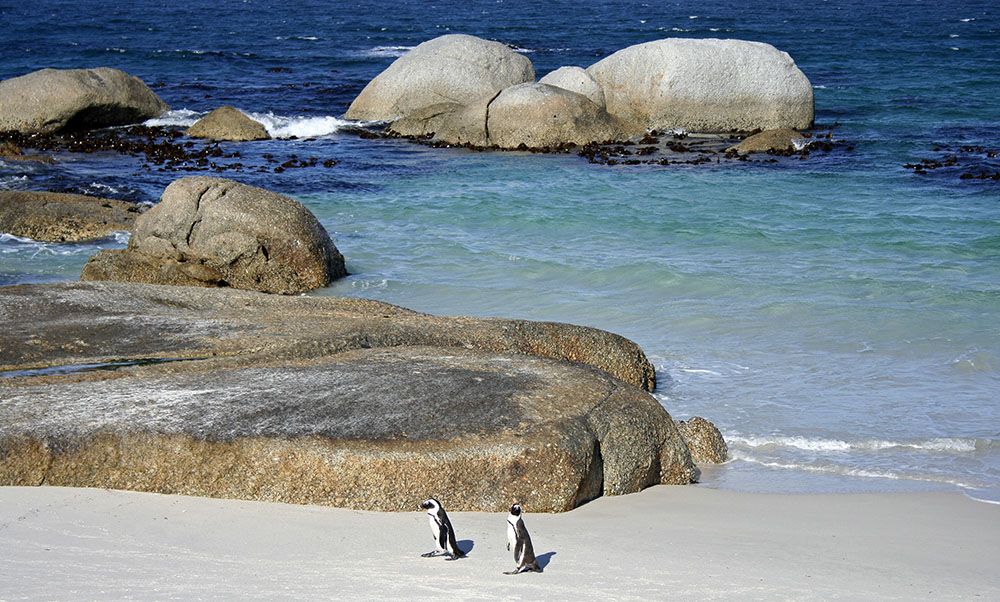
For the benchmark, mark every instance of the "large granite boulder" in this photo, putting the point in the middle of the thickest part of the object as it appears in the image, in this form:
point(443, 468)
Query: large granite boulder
point(216, 232)
point(576, 79)
point(782, 140)
point(538, 115)
point(704, 85)
point(228, 123)
point(51, 100)
point(59, 217)
point(452, 68)
point(343, 402)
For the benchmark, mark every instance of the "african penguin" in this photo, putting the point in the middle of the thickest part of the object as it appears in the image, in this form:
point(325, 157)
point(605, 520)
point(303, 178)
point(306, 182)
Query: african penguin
point(518, 538)
point(442, 531)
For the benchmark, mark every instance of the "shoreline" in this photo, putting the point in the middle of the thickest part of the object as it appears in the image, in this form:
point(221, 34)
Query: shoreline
point(686, 542)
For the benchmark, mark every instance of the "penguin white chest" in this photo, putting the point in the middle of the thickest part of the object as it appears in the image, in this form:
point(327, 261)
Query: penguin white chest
point(435, 527)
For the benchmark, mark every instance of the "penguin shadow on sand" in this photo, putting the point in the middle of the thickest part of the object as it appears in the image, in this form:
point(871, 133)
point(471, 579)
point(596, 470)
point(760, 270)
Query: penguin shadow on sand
point(544, 560)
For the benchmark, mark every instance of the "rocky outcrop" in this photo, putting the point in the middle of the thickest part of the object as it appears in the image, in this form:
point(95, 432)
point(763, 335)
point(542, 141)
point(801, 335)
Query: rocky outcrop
point(539, 116)
point(58, 217)
point(228, 123)
point(454, 68)
point(703, 440)
point(576, 79)
point(462, 90)
point(447, 122)
point(343, 402)
point(215, 232)
point(783, 140)
point(704, 86)
point(51, 100)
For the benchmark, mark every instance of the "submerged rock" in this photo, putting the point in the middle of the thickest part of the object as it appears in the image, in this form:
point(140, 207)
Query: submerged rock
point(453, 68)
point(703, 440)
point(343, 402)
point(51, 100)
point(216, 232)
point(228, 123)
point(704, 85)
point(59, 217)
point(539, 116)
point(782, 140)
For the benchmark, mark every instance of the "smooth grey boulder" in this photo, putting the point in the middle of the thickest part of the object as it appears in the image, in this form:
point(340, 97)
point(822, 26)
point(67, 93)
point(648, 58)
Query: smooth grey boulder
point(50, 100)
point(60, 217)
point(453, 68)
point(538, 115)
point(216, 232)
point(704, 85)
point(576, 79)
point(228, 123)
point(321, 400)
point(782, 140)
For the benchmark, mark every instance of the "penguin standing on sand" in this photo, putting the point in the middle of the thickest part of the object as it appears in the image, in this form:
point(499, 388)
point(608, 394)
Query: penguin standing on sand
point(520, 541)
point(442, 531)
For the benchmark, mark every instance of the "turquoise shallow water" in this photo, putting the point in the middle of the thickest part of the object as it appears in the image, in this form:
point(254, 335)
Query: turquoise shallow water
point(838, 318)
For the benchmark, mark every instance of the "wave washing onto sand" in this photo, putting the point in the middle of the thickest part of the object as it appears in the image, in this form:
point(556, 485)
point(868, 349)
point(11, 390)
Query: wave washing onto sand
point(846, 471)
point(942, 444)
point(278, 126)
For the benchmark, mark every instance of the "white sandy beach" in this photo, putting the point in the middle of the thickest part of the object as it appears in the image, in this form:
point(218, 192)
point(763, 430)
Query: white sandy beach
point(666, 542)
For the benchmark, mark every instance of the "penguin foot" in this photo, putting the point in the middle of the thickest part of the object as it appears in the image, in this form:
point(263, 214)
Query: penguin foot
point(453, 557)
point(431, 554)
point(514, 572)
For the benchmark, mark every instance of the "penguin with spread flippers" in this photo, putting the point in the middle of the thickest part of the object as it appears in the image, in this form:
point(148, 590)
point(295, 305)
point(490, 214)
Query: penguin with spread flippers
point(441, 529)
point(519, 540)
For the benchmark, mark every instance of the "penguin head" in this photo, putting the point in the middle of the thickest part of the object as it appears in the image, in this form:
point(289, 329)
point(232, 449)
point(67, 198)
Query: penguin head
point(516, 510)
point(430, 505)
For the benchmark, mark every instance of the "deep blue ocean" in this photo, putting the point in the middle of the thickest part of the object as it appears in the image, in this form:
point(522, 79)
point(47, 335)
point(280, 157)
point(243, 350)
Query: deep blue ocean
point(838, 317)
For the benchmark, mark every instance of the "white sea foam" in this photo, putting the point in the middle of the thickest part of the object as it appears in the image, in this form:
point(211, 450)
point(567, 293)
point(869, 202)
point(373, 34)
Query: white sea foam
point(7, 182)
point(389, 50)
point(522, 50)
point(35, 248)
point(278, 126)
point(177, 117)
point(700, 371)
point(283, 126)
point(369, 284)
point(799, 144)
point(942, 444)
